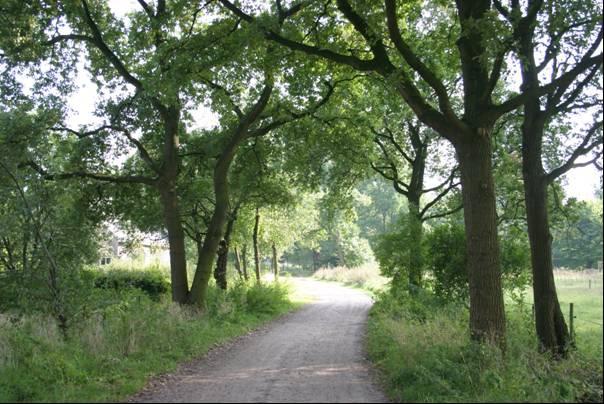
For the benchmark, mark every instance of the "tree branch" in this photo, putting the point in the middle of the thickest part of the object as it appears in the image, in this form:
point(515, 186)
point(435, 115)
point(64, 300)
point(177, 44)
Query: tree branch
point(439, 197)
point(359, 64)
point(442, 214)
point(147, 8)
point(411, 58)
point(127, 179)
point(581, 150)
point(108, 53)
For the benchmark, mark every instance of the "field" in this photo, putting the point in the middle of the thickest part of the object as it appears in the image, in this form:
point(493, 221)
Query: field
point(584, 290)
point(366, 276)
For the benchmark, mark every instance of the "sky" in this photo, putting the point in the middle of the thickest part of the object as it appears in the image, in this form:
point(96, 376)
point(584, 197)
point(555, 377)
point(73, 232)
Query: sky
point(580, 183)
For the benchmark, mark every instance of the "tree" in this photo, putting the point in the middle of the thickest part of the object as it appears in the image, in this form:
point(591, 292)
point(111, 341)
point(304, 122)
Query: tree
point(466, 117)
point(39, 224)
point(570, 61)
point(577, 243)
point(400, 150)
point(149, 88)
point(377, 206)
point(145, 87)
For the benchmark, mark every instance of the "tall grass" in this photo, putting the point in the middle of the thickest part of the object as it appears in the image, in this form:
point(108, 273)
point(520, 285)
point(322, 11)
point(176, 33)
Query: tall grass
point(366, 276)
point(425, 355)
point(111, 352)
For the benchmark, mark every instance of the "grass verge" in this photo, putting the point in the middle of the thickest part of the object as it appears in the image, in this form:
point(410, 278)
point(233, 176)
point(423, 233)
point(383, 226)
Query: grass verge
point(110, 353)
point(424, 354)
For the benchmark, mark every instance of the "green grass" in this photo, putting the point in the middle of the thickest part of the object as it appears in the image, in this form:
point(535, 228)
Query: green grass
point(366, 277)
point(425, 355)
point(111, 353)
point(584, 290)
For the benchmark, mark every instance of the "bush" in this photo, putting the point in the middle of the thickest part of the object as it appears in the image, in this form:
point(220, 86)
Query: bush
point(446, 260)
point(391, 252)
point(150, 281)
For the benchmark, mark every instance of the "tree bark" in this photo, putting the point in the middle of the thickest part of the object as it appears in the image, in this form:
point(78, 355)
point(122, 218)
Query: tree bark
point(552, 331)
point(171, 206)
point(256, 250)
point(551, 328)
point(221, 192)
point(214, 233)
point(415, 232)
point(244, 262)
point(220, 272)
point(176, 241)
point(487, 315)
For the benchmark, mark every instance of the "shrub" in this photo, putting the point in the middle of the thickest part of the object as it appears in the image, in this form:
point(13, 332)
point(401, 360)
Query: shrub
point(123, 338)
point(446, 260)
point(150, 281)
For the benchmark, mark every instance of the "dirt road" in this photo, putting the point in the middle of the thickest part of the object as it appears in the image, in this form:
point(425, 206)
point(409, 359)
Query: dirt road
point(312, 355)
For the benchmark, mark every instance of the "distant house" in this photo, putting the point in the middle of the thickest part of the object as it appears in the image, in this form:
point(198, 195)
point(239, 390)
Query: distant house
point(145, 248)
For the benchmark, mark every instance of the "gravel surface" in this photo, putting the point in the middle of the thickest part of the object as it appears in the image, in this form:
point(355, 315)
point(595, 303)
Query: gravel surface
point(312, 355)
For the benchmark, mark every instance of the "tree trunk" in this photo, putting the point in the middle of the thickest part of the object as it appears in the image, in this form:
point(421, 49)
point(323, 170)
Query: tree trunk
point(415, 245)
point(552, 331)
point(487, 315)
point(315, 260)
point(256, 251)
point(176, 241)
point(275, 263)
point(551, 328)
point(220, 272)
point(171, 206)
point(215, 230)
point(238, 263)
point(244, 262)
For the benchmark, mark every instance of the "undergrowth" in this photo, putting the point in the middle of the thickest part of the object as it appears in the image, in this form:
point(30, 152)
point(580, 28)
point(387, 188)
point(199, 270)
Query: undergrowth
point(424, 353)
point(121, 339)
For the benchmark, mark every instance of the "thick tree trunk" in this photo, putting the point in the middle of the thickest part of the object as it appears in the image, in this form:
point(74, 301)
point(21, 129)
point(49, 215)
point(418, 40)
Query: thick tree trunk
point(171, 206)
point(176, 242)
point(220, 272)
point(487, 315)
point(256, 250)
point(551, 328)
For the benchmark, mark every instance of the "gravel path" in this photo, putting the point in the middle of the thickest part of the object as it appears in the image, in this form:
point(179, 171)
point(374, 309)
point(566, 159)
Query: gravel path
point(312, 355)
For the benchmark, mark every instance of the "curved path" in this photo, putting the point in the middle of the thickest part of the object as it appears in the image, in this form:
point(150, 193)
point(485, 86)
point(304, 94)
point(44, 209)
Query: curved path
point(312, 355)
